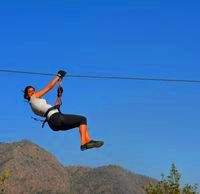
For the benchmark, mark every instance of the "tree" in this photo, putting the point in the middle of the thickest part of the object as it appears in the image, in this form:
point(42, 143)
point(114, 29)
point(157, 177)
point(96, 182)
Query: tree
point(171, 185)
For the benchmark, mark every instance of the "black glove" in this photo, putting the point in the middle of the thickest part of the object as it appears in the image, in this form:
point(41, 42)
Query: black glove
point(61, 74)
point(59, 91)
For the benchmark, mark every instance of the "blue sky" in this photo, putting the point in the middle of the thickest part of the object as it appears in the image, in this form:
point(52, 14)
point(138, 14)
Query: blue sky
point(146, 126)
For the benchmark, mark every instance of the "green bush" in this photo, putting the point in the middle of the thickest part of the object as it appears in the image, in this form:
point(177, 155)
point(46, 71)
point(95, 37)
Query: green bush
point(3, 177)
point(171, 185)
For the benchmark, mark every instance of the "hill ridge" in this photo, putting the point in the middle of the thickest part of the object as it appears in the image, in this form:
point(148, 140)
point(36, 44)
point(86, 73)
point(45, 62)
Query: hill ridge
point(35, 170)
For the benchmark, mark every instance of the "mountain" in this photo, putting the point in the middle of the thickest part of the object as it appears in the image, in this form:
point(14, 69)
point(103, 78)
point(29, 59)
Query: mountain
point(35, 171)
point(106, 180)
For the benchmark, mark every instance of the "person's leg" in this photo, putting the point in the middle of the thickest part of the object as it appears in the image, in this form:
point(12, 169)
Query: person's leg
point(82, 130)
point(88, 138)
point(84, 134)
point(86, 142)
point(71, 121)
point(66, 121)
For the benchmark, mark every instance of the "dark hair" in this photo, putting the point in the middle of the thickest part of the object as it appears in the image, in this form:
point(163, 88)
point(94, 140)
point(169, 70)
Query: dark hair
point(26, 92)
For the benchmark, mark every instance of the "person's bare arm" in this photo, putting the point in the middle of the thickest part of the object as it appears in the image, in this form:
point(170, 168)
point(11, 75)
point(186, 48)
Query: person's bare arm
point(47, 88)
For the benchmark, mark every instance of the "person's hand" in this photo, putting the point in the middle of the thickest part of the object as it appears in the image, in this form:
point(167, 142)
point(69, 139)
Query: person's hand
point(59, 91)
point(61, 74)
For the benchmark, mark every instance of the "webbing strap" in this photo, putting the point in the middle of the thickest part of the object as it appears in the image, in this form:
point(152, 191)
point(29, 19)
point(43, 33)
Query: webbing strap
point(45, 115)
point(60, 91)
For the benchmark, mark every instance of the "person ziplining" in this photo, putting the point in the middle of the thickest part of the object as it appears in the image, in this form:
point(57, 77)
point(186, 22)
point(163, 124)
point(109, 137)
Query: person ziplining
point(56, 120)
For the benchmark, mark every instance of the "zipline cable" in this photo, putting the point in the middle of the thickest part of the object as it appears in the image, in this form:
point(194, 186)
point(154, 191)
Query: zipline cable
point(104, 77)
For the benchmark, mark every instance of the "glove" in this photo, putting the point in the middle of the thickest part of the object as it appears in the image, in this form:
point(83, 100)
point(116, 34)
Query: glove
point(59, 91)
point(61, 74)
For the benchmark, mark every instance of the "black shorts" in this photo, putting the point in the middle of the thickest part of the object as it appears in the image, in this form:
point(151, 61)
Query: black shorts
point(59, 121)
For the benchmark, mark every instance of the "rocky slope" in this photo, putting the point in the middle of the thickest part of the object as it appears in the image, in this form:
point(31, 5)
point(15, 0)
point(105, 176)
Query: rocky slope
point(33, 170)
point(106, 180)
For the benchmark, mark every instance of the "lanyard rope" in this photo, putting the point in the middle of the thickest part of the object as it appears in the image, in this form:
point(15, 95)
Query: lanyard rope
point(60, 91)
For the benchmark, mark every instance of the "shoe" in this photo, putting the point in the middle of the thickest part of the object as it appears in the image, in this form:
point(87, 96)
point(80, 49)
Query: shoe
point(95, 144)
point(83, 147)
point(92, 144)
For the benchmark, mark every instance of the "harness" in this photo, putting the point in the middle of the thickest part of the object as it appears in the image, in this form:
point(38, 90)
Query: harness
point(50, 109)
point(59, 99)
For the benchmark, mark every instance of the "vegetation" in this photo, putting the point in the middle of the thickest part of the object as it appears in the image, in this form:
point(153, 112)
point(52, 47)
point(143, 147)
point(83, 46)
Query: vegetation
point(4, 176)
point(171, 185)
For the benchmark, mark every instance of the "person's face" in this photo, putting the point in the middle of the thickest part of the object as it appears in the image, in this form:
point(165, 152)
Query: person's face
point(30, 92)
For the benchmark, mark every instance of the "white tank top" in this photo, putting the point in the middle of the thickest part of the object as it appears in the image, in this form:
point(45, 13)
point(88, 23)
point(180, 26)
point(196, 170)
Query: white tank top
point(40, 106)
